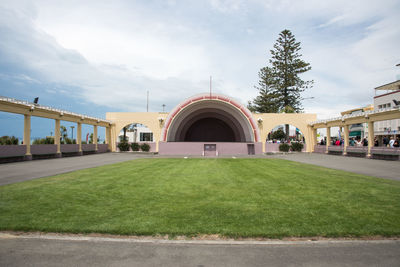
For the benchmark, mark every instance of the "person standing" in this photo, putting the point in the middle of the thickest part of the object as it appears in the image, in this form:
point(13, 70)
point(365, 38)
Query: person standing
point(358, 142)
point(396, 143)
point(376, 142)
point(352, 142)
point(391, 142)
point(365, 142)
point(385, 141)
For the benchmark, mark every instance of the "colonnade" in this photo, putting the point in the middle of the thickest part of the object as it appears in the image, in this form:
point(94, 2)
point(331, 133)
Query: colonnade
point(27, 109)
point(369, 117)
point(346, 134)
point(57, 136)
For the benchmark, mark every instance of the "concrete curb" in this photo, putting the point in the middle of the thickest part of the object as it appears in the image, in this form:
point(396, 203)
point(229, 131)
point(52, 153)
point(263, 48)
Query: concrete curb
point(66, 237)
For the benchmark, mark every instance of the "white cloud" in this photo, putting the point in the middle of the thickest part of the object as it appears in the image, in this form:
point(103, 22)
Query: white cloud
point(228, 6)
point(113, 52)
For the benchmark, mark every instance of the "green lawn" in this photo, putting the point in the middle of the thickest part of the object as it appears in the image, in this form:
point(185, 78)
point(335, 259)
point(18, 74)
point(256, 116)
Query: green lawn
point(230, 197)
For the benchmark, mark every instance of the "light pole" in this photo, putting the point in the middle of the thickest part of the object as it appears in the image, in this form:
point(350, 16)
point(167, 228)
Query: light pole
point(72, 130)
point(163, 108)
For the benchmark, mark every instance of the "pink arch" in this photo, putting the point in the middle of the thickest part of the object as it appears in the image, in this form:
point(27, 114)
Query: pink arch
point(203, 97)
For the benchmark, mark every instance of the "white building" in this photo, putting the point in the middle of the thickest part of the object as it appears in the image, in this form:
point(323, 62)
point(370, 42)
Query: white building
point(360, 130)
point(136, 133)
point(386, 97)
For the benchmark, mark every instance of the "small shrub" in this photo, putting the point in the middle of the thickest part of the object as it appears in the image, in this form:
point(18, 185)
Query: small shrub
point(296, 147)
point(8, 140)
point(43, 141)
point(278, 134)
point(145, 147)
point(123, 146)
point(135, 146)
point(284, 147)
point(69, 141)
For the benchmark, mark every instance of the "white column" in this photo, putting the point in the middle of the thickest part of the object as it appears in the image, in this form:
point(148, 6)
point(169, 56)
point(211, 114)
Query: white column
point(79, 136)
point(95, 136)
point(371, 137)
point(27, 134)
point(328, 138)
point(108, 138)
point(57, 135)
point(346, 139)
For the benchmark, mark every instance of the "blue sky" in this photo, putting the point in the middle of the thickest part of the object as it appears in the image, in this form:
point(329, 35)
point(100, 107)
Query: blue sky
point(94, 57)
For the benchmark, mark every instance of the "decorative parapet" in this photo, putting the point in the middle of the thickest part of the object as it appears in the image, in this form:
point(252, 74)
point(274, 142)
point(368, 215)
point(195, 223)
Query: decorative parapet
point(361, 115)
point(31, 107)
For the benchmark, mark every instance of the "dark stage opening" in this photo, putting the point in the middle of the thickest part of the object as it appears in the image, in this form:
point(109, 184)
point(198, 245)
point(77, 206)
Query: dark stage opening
point(210, 130)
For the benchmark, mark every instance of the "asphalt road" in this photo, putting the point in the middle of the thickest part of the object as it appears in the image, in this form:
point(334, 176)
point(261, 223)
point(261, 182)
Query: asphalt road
point(373, 167)
point(47, 251)
point(27, 170)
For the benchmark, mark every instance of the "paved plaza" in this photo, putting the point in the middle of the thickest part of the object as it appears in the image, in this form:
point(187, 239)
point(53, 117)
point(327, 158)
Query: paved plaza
point(67, 250)
point(53, 250)
point(373, 167)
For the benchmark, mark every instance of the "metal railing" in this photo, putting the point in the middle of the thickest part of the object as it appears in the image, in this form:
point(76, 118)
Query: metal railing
point(62, 112)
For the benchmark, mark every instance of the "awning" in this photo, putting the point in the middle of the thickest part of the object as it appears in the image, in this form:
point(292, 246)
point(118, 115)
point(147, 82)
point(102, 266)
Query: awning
point(355, 133)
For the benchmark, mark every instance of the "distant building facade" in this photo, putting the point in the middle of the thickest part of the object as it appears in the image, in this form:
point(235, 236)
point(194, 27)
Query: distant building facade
point(359, 130)
point(137, 133)
point(386, 97)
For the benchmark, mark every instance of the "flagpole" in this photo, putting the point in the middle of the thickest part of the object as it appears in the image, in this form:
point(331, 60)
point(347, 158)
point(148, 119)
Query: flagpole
point(210, 85)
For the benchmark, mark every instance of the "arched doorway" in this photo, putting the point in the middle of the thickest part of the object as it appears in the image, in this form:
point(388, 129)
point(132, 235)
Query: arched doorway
point(282, 134)
point(132, 136)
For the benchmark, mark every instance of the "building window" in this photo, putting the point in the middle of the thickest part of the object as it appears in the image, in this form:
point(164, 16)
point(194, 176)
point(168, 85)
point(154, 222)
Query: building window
point(380, 106)
point(146, 137)
point(388, 105)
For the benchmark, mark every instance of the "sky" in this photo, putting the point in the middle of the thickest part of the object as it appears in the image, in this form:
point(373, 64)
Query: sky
point(94, 57)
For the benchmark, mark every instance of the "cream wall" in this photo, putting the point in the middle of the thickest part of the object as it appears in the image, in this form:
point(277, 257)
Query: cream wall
point(299, 120)
point(267, 123)
point(150, 119)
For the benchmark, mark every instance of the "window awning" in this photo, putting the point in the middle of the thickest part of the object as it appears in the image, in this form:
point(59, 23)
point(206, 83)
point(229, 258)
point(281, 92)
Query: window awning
point(355, 133)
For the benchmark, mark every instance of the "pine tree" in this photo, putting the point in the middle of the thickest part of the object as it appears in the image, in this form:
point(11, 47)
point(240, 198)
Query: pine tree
point(267, 101)
point(280, 85)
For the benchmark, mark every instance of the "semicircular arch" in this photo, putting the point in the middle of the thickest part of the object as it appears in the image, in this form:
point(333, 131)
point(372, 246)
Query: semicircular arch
point(121, 126)
point(239, 116)
point(268, 129)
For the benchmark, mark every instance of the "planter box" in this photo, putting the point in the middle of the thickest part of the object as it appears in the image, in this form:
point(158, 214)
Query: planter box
point(102, 148)
point(69, 148)
point(8, 151)
point(274, 147)
point(88, 147)
point(335, 148)
point(43, 149)
point(319, 149)
point(385, 151)
point(153, 146)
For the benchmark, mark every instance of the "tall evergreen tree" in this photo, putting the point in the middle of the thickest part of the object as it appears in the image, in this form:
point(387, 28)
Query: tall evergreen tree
point(268, 100)
point(280, 85)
